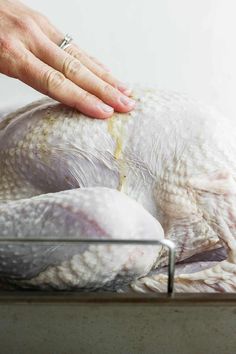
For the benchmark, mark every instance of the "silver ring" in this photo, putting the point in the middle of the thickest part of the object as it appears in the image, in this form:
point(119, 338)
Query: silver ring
point(66, 42)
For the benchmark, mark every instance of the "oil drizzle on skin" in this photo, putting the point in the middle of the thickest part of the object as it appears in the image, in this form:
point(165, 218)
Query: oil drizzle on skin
point(116, 130)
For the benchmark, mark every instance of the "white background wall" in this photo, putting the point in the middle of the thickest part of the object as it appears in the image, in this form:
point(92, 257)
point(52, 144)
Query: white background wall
point(184, 45)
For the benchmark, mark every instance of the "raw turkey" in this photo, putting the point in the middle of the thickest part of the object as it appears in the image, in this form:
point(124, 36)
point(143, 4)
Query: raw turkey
point(165, 170)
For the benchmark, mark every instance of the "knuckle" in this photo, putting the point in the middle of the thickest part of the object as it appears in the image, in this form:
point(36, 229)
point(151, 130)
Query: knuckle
point(24, 23)
point(105, 76)
point(72, 66)
point(53, 79)
point(6, 45)
point(70, 50)
point(24, 61)
point(108, 90)
point(85, 96)
point(75, 52)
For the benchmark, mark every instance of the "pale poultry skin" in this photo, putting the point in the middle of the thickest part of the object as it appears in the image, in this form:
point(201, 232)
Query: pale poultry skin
point(168, 169)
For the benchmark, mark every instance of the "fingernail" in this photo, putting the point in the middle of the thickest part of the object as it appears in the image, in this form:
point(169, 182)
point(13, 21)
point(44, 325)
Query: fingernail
point(106, 108)
point(124, 88)
point(127, 101)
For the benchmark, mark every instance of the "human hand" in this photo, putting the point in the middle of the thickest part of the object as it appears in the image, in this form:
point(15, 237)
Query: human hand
point(29, 51)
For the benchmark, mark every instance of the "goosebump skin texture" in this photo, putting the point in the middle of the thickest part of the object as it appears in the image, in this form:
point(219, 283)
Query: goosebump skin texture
point(166, 169)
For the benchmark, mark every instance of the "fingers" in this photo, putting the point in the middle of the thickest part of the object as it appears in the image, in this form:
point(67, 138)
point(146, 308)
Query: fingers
point(73, 79)
point(80, 75)
point(53, 83)
point(90, 62)
point(97, 69)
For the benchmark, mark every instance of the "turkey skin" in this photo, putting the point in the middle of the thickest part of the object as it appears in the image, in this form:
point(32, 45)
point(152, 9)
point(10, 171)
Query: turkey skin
point(166, 169)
